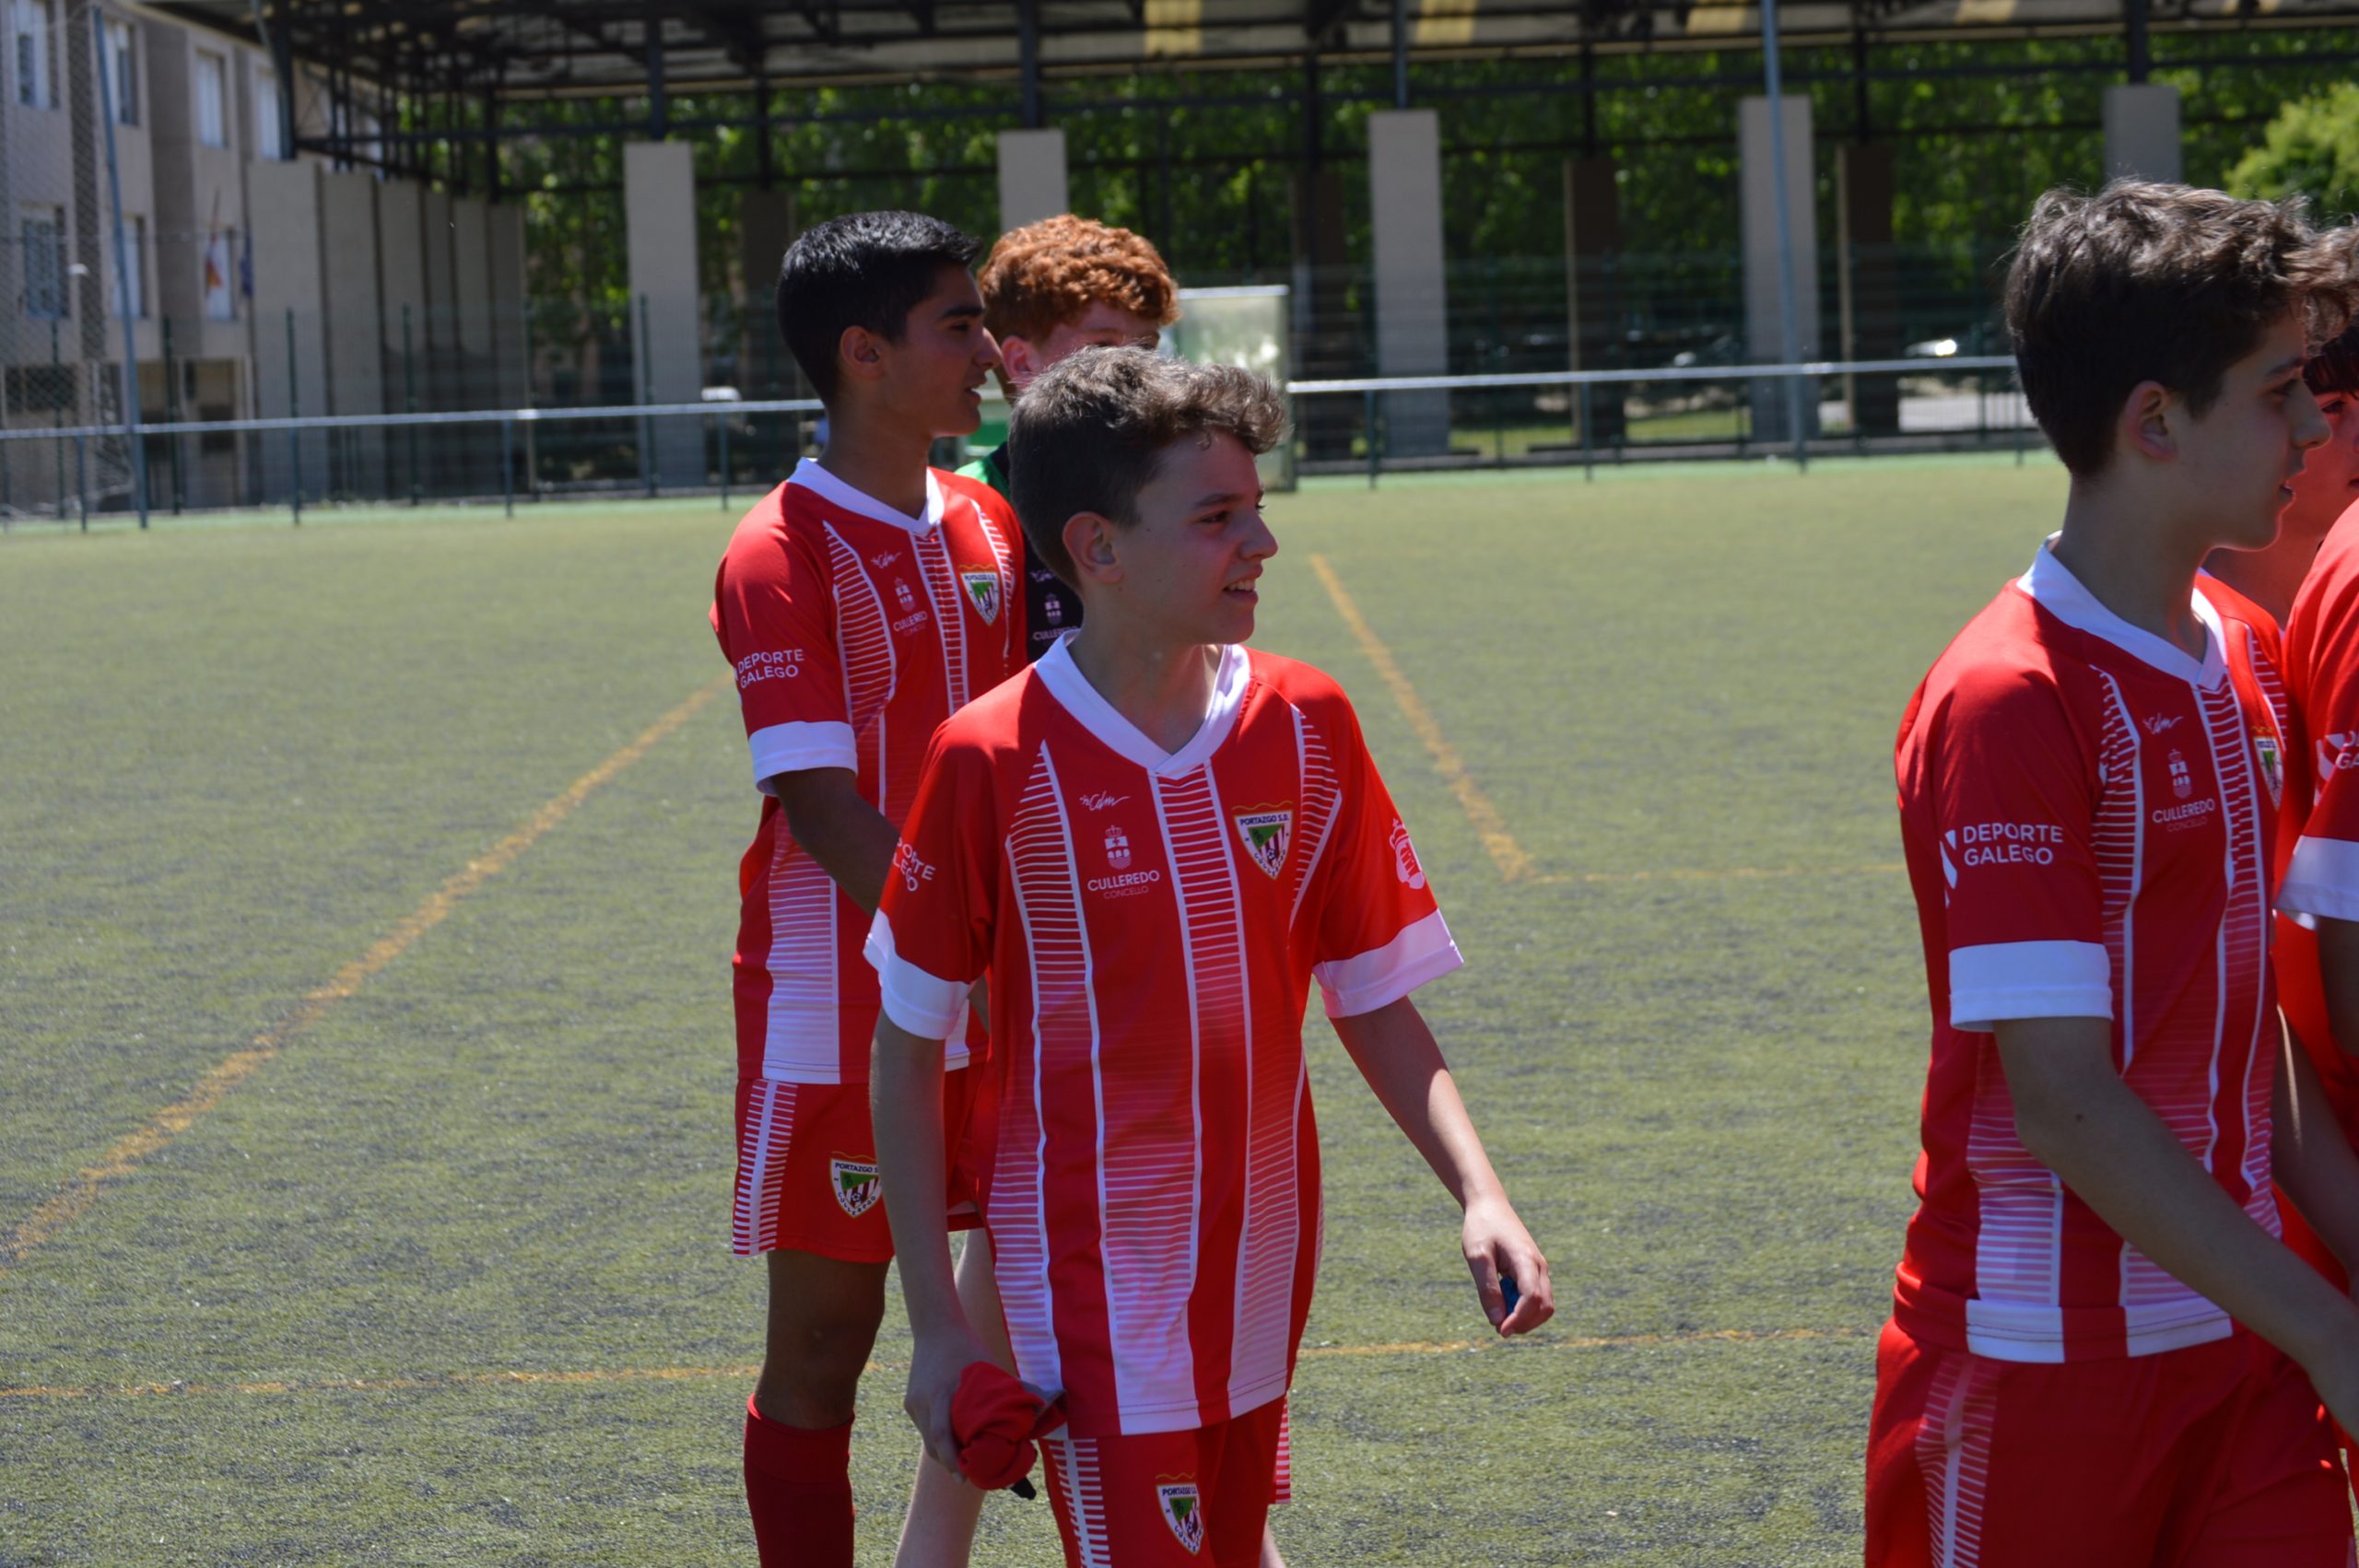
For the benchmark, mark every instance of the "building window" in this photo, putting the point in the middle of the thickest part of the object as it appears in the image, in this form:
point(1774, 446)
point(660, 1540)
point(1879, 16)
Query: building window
point(134, 240)
point(43, 232)
point(124, 64)
point(30, 29)
point(267, 117)
point(212, 100)
point(220, 274)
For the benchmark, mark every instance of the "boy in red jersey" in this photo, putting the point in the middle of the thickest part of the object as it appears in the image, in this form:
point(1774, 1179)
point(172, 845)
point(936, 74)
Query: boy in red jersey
point(861, 603)
point(1048, 288)
point(1155, 841)
point(2318, 926)
point(2098, 1348)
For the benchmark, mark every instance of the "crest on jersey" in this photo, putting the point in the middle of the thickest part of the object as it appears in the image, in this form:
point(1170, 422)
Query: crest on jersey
point(1183, 1510)
point(2182, 781)
point(1267, 832)
point(982, 586)
point(901, 590)
point(1404, 857)
point(2272, 770)
point(1118, 848)
point(857, 1189)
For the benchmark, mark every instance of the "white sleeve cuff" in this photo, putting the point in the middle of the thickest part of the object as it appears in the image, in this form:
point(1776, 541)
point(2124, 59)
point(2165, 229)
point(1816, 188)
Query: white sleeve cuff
point(790, 748)
point(2001, 981)
point(1422, 952)
point(2323, 880)
point(926, 1005)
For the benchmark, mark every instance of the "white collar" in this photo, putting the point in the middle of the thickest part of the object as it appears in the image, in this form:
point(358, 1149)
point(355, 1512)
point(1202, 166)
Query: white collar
point(835, 492)
point(1072, 689)
point(2050, 583)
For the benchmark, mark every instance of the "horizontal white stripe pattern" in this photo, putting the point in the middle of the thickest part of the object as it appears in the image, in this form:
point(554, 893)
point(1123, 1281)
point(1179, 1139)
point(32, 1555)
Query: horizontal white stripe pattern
point(790, 748)
point(926, 1005)
point(2001, 981)
point(1422, 952)
point(2323, 881)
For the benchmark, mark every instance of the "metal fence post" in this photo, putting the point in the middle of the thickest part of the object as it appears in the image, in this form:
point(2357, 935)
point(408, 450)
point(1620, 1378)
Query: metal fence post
point(1370, 420)
point(724, 462)
point(1588, 435)
point(81, 480)
point(294, 438)
point(646, 395)
point(172, 414)
point(508, 467)
point(57, 384)
point(531, 441)
point(409, 399)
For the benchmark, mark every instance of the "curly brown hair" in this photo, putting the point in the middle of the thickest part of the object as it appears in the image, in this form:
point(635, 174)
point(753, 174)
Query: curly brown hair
point(1045, 275)
point(2145, 282)
point(1091, 431)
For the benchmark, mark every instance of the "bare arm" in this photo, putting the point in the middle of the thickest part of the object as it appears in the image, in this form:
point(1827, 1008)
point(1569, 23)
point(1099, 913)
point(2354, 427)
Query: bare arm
point(2314, 1163)
point(2076, 1116)
point(848, 836)
point(905, 1104)
point(1395, 1052)
point(2338, 974)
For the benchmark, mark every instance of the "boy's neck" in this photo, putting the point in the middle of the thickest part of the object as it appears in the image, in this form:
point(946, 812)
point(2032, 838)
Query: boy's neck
point(2134, 561)
point(2268, 578)
point(878, 460)
point(1164, 689)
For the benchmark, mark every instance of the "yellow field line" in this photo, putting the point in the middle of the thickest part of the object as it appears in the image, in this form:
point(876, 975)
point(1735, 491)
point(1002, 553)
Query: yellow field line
point(741, 1374)
point(54, 1213)
point(1513, 863)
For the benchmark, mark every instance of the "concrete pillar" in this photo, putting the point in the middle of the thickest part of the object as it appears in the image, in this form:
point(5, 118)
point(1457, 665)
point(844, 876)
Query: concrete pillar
point(1764, 312)
point(2142, 136)
point(282, 205)
point(438, 333)
point(1594, 290)
point(471, 296)
point(512, 388)
point(766, 227)
point(408, 353)
point(659, 218)
point(1411, 294)
point(355, 316)
point(1031, 177)
point(1870, 282)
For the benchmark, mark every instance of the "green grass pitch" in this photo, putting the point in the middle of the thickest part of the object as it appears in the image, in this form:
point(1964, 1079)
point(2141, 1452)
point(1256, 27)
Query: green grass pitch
point(233, 757)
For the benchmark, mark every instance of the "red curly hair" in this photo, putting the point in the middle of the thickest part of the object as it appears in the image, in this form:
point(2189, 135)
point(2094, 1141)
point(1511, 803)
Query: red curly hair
point(1048, 273)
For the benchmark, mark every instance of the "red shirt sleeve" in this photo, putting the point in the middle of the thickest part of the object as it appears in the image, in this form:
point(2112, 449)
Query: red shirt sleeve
point(2012, 792)
point(773, 608)
point(931, 938)
point(1379, 934)
point(2322, 876)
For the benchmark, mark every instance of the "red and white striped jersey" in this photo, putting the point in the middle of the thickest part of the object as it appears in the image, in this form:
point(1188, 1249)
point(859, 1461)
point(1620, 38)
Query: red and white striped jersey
point(854, 631)
point(2087, 829)
point(1152, 923)
point(2319, 831)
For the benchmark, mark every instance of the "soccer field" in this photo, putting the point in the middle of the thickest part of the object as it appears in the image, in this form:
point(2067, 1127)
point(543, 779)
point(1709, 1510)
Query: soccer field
point(366, 900)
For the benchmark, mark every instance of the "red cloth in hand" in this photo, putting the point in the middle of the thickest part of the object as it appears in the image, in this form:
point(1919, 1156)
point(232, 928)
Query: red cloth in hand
point(996, 1420)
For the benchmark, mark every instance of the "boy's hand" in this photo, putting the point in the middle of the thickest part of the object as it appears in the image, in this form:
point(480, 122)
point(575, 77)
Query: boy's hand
point(936, 1363)
point(1496, 1243)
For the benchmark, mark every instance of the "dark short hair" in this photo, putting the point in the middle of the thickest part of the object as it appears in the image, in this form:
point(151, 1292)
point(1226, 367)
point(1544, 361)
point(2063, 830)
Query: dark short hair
point(1090, 433)
point(2335, 367)
point(2146, 281)
point(865, 269)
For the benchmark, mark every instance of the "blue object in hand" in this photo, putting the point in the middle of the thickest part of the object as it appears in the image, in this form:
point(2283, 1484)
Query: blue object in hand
point(1507, 1293)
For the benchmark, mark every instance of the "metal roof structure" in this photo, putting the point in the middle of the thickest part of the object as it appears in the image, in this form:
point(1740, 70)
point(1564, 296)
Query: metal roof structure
point(523, 49)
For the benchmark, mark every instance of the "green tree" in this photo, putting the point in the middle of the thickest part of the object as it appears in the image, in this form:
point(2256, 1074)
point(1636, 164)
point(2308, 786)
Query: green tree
point(2311, 149)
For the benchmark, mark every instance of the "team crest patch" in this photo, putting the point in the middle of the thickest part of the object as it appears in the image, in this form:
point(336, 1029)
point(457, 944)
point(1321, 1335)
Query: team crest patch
point(2271, 770)
point(983, 589)
point(1267, 832)
point(1184, 1511)
point(857, 1189)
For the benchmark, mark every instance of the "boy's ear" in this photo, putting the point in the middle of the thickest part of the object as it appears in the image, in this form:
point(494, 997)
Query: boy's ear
point(1089, 540)
point(1019, 361)
point(860, 354)
point(2144, 424)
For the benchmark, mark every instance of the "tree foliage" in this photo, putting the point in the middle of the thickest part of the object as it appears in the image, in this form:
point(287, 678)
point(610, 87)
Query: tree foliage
point(2311, 149)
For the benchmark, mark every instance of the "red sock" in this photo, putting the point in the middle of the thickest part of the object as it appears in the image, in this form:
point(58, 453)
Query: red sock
point(798, 1484)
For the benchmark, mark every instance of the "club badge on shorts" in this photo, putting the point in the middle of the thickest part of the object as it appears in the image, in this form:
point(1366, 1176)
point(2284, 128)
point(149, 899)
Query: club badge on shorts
point(982, 586)
point(855, 1184)
point(1267, 832)
point(1184, 1511)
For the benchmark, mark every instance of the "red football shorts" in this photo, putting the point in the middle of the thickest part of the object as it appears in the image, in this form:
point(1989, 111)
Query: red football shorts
point(1195, 1499)
point(806, 1168)
point(2218, 1456)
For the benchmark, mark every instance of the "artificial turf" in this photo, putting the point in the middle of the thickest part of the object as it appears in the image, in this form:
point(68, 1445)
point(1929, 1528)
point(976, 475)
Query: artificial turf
point(234, 756)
